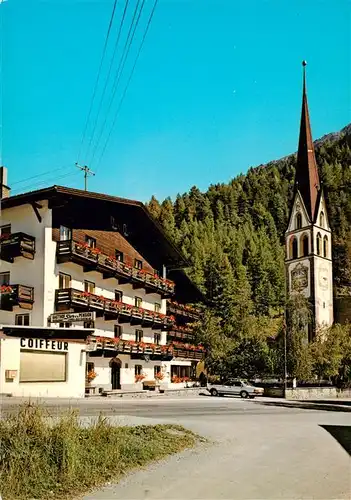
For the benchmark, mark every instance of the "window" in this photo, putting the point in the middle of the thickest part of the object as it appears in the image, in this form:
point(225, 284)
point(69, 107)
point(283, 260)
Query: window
point(156, 272)
point(118, 295)
point(39, 366)
point(321, 219)
point(325, 246)
point(4, 278)
point(157, 370)
point(293, 248)
point(157, 307)
point(22, 319)
point(117, 331)
point(125, 230)
point(138, 264)
point(119, 255)
point(298, 221)
point(64, 281)
point(65, 233)
point(113, 223)
point(64, 325)
point(89, 286)
point(319, 241)
point(323, 305)
point(138, 335)
point(91, 242)
point(157, 338)
point(90, 366)
point(138, 369)
point(305, 250)
point(89, 324)
point(138, 302)
point(5, 229)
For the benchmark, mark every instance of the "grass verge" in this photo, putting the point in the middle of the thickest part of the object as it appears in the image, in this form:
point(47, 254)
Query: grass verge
point(42, 459)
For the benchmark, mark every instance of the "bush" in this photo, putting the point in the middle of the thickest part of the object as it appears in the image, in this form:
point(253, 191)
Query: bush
point(42, 457)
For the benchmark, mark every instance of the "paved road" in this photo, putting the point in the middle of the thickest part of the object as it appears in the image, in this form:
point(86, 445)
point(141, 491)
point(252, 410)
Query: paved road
point(257, 450)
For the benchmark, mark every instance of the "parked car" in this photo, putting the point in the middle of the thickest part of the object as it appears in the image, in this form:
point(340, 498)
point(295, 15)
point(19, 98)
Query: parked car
point(235, 387)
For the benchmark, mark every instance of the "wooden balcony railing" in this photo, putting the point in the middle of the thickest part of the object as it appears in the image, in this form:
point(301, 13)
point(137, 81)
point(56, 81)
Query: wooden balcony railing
point(183, 310)
point(111, 309)
point(127, 346)
point(93, 259)
point(16, 245)
point(16, 295)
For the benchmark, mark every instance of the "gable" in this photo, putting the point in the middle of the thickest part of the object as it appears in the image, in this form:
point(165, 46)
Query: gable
point(321, 219)
point(298, 207)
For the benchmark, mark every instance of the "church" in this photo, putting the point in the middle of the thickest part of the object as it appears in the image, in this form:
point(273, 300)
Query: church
point(308, 238)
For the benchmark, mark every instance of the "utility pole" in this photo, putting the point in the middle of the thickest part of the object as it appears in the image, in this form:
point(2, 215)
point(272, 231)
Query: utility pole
point(87, 172)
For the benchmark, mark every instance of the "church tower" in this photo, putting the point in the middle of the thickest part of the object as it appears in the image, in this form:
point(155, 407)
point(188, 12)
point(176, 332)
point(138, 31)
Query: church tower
point(308, 236)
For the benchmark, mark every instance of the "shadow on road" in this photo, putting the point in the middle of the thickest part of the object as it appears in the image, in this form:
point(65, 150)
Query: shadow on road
point(342, 433)
point(310, 405)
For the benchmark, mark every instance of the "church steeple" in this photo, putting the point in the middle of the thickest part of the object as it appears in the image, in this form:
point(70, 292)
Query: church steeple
point(307, 178)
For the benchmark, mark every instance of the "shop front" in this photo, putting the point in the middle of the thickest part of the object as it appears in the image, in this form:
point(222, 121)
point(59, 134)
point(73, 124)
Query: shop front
point(42, 362)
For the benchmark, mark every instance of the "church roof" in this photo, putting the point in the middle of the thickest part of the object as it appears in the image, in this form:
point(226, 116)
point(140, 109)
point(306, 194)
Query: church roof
point(307, 178)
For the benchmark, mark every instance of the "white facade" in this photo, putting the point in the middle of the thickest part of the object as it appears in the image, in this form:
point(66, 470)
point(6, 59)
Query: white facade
point(309, 259)
point(42, 273)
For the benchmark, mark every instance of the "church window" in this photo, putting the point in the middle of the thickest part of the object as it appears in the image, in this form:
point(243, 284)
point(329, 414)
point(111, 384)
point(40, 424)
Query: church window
point(319, 243)
point(304, 245)
point(321, 219)
point(325, 246)
point(293, 248)
point(298, 221)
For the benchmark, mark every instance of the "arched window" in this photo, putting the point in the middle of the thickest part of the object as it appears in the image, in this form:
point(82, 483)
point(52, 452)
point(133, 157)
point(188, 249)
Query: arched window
point(325, 246)
point(304, 245)
point(293, 248)
point(319, 243)
point(298, 221)
point(321, 219)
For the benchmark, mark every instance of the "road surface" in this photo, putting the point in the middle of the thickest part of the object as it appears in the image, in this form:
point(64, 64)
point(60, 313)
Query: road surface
point(261, 449)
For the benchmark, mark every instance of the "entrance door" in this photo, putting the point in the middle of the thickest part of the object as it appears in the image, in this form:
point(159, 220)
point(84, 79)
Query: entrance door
point(116, 373)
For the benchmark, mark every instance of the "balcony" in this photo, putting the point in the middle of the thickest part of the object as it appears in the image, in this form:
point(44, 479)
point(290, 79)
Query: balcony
point(111, 309)
point(16, 295)
point(92, 259)
point(17, 245)
point(128, 346)
point(187, 351)
point(183, 310)
point(181, 332)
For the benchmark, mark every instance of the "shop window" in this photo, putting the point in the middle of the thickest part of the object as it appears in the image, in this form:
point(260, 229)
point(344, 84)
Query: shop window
point(4, 278)
point(118, 295)
point(119, 255)
point(64, 281)
point(39, 366)
point(91, 242)
point(138, 264)
point(138, 369)
point(22, 319)
point(157, 338)
point(89, 286)
point(65, 233)
point(138, 302)
point(157, 307)
point(117, 330)
point(139, 335)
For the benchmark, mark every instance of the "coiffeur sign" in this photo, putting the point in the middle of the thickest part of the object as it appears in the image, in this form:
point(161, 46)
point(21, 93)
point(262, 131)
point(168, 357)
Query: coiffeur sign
point(48, 344)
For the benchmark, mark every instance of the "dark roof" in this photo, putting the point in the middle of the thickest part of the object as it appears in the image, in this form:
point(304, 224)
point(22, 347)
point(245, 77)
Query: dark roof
point(186, 290)
point(307, 178)
point(148, 237)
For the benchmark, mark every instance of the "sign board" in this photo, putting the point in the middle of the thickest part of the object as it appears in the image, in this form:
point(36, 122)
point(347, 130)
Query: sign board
point(69, 317)
point(48, 344)
point(10, 374)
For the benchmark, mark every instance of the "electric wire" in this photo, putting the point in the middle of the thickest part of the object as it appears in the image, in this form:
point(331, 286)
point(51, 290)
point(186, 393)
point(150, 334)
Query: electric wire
point(42, 183)
point(127, 85)
point(107, 78)
point(97, 78)
point(126, 49)
point(39, 175)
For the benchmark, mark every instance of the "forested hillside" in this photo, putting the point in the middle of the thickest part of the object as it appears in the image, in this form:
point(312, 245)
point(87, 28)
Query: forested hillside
point(233, 234)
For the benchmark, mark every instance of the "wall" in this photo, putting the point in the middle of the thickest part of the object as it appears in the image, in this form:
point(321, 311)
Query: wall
point(74, 387)
point(25, 271)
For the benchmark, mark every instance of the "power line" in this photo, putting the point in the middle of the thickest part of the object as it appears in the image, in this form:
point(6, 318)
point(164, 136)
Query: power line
point(39, 175)
point(98, 76)
point(128, 82)
point(120, 68)
point(42, 183)
point(108, 76)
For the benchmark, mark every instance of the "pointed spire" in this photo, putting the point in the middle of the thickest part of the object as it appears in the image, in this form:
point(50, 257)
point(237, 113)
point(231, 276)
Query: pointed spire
point(307, 178)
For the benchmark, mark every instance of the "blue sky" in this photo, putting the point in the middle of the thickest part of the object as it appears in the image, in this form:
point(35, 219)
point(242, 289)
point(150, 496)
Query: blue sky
point(217, 89)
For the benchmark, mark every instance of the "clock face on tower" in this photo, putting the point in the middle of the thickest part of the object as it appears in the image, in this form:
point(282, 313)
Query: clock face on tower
point(323, 278)
point(299, 278)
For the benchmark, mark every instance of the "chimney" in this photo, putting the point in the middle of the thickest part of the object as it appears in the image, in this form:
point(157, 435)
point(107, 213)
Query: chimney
point(4, 189)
